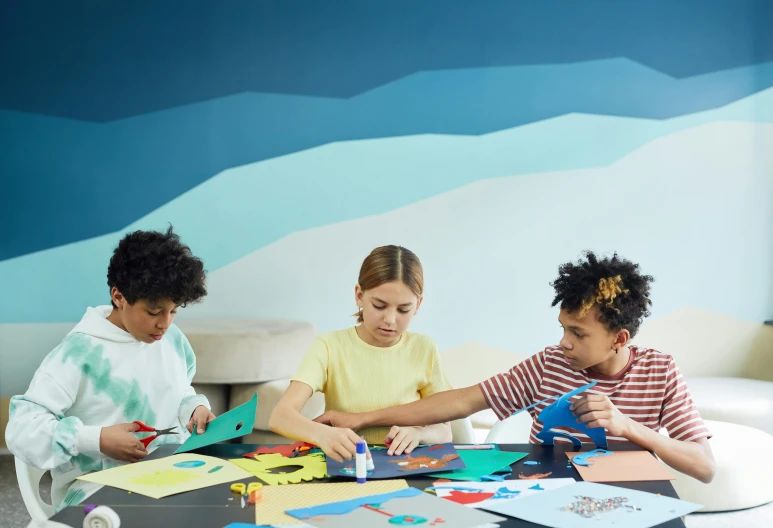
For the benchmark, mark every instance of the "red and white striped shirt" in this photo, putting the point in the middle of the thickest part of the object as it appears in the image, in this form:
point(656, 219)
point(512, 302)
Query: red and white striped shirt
point(650, 389)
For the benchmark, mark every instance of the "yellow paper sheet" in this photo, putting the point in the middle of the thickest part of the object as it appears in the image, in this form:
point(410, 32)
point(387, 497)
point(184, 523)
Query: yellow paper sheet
point(277, 499)
point(311, 467)
point(170, 475)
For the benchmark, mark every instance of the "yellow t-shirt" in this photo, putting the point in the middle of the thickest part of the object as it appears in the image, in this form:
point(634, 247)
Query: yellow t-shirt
point(358, 377)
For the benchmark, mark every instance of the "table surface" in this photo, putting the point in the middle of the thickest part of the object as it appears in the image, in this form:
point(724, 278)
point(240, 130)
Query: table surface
point(210, 507)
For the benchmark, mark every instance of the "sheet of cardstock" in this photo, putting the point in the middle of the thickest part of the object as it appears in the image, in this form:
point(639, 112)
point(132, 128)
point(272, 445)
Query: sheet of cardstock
point(237, 422)
point(622, 466)
point(421, 460)
point(418, 509)
point(481, 463)
point(277, 499)
point(275, 469)
point(482, 494)
point(595, 505)
point(170, 475)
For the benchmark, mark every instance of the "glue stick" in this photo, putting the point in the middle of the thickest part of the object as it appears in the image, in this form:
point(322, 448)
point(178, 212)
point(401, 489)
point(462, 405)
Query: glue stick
point(360, 462)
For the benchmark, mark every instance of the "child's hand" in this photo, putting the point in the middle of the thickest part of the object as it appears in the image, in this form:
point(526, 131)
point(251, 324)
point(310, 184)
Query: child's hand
point(596, 410)
point(401, 440)
point(340, 419)
point(201, 417)
point(117, 442)
point(339, 444)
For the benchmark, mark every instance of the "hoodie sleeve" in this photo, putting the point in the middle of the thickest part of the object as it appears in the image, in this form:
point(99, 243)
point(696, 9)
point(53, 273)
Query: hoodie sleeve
point(190, 400)
point(39, 432)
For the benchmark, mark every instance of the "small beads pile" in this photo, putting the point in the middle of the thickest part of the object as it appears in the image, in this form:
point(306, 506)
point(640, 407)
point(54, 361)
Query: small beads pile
point(589, 507)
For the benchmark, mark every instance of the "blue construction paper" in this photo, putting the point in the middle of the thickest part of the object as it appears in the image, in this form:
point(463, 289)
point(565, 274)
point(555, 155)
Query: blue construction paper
point(548, 508)
point(530, 463)
point(582, 458)
point(348, 506)
point(494, 478)
point(558, 414)
point(386, 466)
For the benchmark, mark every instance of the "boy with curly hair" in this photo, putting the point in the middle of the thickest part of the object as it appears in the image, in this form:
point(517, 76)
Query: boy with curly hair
point(638, 390)
point(121, 362)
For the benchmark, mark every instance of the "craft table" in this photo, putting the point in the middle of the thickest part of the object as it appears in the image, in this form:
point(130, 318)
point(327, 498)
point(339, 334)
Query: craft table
point(211, 507)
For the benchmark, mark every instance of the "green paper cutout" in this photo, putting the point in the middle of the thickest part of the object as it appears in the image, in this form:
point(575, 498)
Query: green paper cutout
point(480, 464)
point(224, 427)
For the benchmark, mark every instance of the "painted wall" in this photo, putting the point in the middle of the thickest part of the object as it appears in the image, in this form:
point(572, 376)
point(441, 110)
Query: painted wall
point(284, 140)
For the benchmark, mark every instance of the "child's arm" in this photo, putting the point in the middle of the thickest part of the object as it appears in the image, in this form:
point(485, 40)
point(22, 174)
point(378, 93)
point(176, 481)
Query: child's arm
point(191, 401)
point(438, 408)
point(287, 420)
point(688, 457)
point(42, 436)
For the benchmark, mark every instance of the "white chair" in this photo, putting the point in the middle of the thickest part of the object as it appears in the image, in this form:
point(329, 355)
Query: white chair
point(744, 477)
point(513, 430)
point(462, 432)
point(29, 485)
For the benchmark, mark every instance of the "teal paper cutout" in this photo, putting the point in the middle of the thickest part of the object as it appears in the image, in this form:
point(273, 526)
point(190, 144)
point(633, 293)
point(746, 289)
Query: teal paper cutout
point(233, 424)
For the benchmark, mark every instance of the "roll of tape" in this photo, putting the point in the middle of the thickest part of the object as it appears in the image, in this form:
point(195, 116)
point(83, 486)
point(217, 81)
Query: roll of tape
point(102, 517)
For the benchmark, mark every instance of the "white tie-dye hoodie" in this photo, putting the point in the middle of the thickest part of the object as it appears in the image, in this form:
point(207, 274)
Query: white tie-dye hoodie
point(99, 376)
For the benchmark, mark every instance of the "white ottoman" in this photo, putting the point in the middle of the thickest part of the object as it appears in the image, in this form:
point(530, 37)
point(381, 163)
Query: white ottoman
point(247, 350)
point(237, 357)
point(744, 476)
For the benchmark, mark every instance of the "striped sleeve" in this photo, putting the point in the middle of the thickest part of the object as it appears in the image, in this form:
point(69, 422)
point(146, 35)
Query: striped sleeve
point(679, 415)
point(515, 389)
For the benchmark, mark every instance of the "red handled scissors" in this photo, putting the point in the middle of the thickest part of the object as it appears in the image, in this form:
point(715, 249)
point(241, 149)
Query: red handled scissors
point(159, 432)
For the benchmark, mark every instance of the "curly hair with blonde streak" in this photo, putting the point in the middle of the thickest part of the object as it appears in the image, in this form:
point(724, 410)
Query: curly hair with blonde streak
point(605, 294)
point(614, 284)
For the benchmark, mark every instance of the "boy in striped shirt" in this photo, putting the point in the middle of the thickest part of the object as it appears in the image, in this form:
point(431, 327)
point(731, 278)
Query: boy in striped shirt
point(638, 390)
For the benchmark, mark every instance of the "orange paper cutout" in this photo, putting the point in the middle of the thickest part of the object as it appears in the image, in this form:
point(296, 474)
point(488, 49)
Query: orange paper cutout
point(410, 463)
point(623, 466)
point(534, 476)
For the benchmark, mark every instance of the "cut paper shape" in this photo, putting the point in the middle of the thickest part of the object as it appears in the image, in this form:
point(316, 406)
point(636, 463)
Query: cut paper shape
point(493, 478)
point(304, 468)
point(277, 499)
point(189, 464)
point(559, 508)
point(530, 463)
point(164, 477)
point(289, 450)
point(412, 462)
point(534, 476)
point(582, 459)
point(409, 507)
point(558, 414)
point(421, 460)
point(233, 424)
point(472, 497)
point(473, 494)
point(348, 506)
point(535, 404)
point(480, 463)
point(624, 466)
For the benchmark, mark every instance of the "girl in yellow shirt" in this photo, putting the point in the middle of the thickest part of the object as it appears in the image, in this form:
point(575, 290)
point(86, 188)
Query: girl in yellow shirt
point(373, 365)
